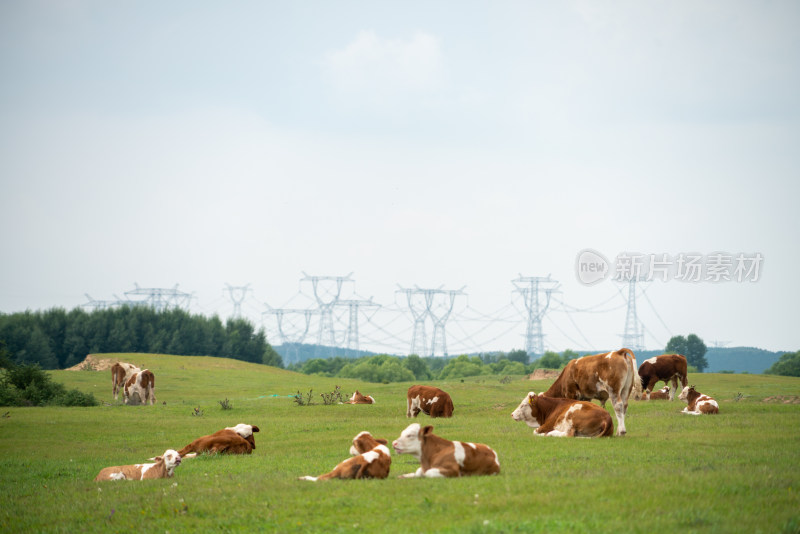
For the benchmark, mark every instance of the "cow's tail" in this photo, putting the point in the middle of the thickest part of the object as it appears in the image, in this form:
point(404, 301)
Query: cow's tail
point(633, 371)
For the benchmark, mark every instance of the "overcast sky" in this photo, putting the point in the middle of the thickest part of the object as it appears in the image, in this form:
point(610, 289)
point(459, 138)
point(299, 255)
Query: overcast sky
point(432, 144)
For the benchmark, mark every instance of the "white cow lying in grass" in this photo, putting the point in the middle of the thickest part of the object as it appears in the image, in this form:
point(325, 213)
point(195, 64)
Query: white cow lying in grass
point(163, 467)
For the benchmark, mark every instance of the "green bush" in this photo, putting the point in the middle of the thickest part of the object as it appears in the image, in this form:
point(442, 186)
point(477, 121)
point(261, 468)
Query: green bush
point(787, 365)
point(29, 385)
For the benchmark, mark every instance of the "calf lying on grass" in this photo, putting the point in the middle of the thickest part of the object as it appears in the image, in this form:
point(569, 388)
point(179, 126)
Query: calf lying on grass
point(661, 394)
point(371, 459)
point(439, 457)
point(163, 467)
point(697, 402)
point(563, 417)
point(358, 398)
point(232, 440)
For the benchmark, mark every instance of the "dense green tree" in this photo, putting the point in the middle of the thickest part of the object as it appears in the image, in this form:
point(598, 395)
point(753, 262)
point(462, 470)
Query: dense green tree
point(692, 347)
point(550, 360)
point(518, 356)
point(417, 366)
point(462, 366)
point(787, 365)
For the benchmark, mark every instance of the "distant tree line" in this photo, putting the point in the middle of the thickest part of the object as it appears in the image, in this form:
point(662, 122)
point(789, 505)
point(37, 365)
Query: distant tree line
point(385, 368)
point(57, 339)
point(787, 365)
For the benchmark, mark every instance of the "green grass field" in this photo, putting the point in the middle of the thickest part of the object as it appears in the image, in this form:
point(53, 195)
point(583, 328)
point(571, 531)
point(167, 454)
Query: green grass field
point(735, 472)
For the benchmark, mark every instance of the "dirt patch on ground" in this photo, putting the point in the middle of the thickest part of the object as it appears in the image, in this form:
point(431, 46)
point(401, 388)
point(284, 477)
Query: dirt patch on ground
point(784, 399)
point(93, 363)
point(544, 374)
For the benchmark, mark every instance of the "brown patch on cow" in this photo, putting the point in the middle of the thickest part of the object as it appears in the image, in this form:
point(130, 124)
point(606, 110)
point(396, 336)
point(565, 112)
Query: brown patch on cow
point(544, 374)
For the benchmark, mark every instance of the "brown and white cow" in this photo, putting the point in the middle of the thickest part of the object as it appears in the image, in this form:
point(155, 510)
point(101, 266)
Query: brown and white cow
point(611, 375)
point(358, 398)
point(120, 373)
point(662, 394)
point(140, 388)
point(371, 459)
point(231, 440)
point(550, 416)
point(428, 400)
point(163, 467)
point(439, 457)
point(697, 403)
point(666, 368)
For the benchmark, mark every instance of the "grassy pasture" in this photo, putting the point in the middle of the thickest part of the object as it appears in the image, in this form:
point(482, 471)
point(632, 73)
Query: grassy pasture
point(735, 472)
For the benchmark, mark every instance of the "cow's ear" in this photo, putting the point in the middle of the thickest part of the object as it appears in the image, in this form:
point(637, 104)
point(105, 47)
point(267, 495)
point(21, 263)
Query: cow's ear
point(382, 441)
point(255, 429)
point(158, 458)
point(427, 430)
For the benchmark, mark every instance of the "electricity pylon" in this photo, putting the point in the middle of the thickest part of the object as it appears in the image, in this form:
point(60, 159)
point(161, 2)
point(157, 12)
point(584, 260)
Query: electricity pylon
point(530, 287)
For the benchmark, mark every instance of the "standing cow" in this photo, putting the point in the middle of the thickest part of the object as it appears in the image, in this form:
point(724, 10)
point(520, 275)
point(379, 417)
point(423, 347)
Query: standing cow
point(120, 373)
point(429, 400)
point(140, 388)
point(601, 376)
point(666, 368)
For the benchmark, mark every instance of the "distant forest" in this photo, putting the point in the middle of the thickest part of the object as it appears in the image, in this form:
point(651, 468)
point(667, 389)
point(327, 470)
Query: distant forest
point(57, 339)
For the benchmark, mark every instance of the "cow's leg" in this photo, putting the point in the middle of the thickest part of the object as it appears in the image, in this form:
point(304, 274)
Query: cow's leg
point(674, 387)
point(448, 470)
point(619, 411)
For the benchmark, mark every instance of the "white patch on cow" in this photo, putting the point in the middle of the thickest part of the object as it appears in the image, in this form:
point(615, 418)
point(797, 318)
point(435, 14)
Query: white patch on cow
point(414, 404)
point(144, 468)
point(371, 399)
point(370, 456)
point(565, 423)
point(524, 412)
point(384, 449)
point(652, 360)
point(116, 476)
point(433, 473)
point(458, 452)
point(496, 458)
point(470, 444)
point(353, 397)
point(556, 434)
point(432, 401)
point(353, 451)
point(409, 442)
point(608, 356)
point(242, 429)
point(312, 479)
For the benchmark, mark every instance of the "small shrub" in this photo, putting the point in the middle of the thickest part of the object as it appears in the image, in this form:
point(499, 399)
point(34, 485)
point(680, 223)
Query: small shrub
point(301, 400)
point(226, 404)
point(505, 380)
point(73, 397)
point(334, 397)
point(197, 412)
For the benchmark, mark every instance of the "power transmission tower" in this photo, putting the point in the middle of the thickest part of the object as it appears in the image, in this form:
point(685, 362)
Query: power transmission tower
point(442, 301)
point(327, 290)
point(99, 304)
point(297, 335)
point(419, 311)
point(530, 287)
point(352, 344)
point(633, 337)
point(161, 299)
point(237, 294)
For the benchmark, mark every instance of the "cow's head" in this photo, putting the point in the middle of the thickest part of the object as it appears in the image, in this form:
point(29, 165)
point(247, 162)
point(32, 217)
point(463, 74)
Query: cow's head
point(410, 440)
point(246, 431)
point(365, 442)
point(526, 410)
point(665, 390)
point(688, 390)
point(171, 460)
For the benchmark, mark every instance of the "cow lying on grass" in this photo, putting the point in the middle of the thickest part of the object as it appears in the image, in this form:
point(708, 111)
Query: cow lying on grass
point(371, 459)
point(232, 440)
point(697, 402)
point(662, 394)
point(358, 398)
point(439, 457)
point(163, 467)
point(563, 417)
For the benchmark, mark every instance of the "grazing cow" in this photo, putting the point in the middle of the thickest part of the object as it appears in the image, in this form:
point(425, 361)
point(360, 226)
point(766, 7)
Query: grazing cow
point(662, 394)
point(371, 459)
point(231, 440)
point(563, 417)
point(601, 376)
point(358, 398)
point(429, 400)
point(140, 388)
point(163, 467)
point(120, 373)
point(439, 457)
point(698, 403)
point(666, 368)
